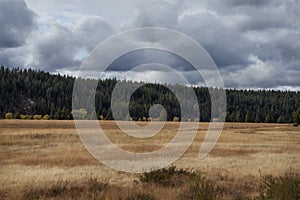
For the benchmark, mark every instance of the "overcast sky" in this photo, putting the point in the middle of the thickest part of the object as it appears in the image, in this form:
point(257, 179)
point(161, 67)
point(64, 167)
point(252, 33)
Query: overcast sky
point(255, 44)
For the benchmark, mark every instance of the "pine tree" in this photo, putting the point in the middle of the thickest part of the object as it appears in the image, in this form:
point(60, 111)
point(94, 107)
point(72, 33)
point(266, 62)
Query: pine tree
point(238, 117)
point(257, 119)
point(297, 117)
point(248, 117)
point(280, 119)
point(268, 119)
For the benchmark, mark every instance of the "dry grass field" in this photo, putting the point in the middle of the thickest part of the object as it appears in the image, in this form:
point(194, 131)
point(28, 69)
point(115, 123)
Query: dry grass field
point(38, 155)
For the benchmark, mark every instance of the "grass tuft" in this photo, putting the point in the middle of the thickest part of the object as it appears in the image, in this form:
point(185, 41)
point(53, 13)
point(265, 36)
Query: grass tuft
point(286, 186)
point(201, 187)
point(139, 196)
point(91, 189)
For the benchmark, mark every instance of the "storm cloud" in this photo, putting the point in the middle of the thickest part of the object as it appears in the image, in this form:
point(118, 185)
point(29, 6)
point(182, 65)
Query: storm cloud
point(63, 48)
point(255, 44)
point(17, 22)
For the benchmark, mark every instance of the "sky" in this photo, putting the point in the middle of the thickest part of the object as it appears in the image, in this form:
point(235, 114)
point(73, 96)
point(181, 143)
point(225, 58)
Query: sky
point(255, 44)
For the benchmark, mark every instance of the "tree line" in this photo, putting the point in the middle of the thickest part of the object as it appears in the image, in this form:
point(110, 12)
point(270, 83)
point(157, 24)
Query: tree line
point(27, 93)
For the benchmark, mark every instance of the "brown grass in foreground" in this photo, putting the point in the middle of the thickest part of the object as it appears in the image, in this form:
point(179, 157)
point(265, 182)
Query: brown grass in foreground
point(36, 156)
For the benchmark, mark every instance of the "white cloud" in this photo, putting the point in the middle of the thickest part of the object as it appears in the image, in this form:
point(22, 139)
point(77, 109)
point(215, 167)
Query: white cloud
point(261, 75)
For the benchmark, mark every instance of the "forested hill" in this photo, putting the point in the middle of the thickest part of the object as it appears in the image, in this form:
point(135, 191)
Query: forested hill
point(28, 92)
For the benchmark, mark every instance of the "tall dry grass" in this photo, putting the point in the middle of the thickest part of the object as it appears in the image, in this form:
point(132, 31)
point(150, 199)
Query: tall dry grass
point(45, 156)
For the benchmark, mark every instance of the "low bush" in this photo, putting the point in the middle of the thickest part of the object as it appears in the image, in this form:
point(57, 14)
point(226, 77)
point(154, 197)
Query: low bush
point(280, 187)
point(166, 177)
point(46, 117)
point(200, 187)
point(37, 117)
point(8, 115)
point(24, 117)
point(196, 120)
point(79, 113)
point(176, 119)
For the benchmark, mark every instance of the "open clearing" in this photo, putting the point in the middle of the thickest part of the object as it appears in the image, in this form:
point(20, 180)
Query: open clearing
point(37, 153)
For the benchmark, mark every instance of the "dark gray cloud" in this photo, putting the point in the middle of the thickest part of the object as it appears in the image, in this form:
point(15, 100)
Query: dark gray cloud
point(234, 32)
point(17, 22)
point(225, 45)
point(92, 30)
point(55, 51)
point(254, 43)
point(139, 57)
point(222, 6)
point(59, 49)
point(157, 13)
point(14, 56)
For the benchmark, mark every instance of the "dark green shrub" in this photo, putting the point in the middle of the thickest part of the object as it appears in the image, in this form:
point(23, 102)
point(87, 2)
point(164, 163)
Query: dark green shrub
point(166, 177)
point(297, 117)
point(17, 115)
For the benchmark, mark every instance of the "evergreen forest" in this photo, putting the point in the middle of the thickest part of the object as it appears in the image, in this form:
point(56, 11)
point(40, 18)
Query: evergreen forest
point(27, 93)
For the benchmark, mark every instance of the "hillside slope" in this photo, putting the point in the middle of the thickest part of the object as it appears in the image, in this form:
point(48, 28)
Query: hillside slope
point(36, 92)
